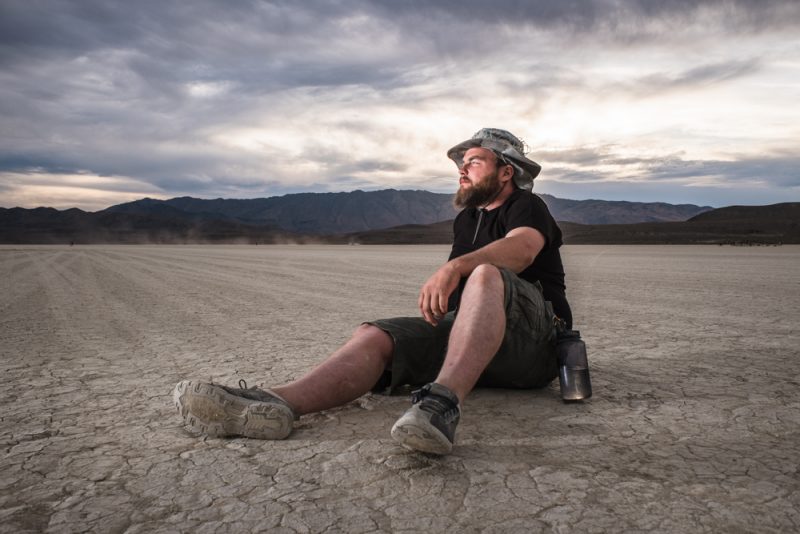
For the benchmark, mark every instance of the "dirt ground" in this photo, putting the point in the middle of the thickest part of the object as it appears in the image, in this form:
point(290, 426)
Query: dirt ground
point(693, 427)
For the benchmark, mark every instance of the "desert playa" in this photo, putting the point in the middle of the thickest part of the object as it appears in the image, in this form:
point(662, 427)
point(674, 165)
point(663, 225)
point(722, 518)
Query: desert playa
point(694, 425)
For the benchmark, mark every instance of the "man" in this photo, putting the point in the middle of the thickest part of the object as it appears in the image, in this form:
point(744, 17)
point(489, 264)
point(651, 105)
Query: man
point(487, 319)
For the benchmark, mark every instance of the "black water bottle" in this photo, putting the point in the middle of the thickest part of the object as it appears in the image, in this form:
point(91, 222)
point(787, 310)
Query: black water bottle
point(573, 366)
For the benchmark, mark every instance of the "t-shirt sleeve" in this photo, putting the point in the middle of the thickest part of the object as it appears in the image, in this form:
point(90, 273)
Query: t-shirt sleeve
point(530, 210)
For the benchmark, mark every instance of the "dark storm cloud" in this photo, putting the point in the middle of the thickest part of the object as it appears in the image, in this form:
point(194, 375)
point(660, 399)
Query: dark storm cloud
point(176, 29)
point(25, 163)
point(207, 32)
point(573, 176)
point(702, 75)
point(342, 163)
point(149, 50)
point(583, 15)
point(781, 168)
point(263, 46)
point(578, 156)
point(737, 15)
point(592, 156)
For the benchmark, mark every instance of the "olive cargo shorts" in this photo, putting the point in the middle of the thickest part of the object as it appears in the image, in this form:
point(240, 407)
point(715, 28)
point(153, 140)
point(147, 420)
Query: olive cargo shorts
point(526, 358)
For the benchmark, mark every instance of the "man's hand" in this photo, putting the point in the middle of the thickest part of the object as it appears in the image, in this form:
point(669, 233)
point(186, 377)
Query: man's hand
point(436, 291)
point(515, 251)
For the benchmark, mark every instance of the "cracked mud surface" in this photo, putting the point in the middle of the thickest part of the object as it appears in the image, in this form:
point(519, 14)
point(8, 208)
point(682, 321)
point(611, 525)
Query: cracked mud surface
point(693, 427)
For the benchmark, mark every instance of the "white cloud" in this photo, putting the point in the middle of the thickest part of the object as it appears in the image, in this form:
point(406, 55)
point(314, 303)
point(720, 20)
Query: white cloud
point(68, 190)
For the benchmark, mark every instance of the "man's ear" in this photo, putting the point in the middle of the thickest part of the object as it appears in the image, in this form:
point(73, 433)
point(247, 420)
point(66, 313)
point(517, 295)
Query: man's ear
point(508, 172)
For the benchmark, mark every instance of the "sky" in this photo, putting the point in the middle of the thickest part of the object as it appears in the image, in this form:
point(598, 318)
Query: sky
point(680, 101)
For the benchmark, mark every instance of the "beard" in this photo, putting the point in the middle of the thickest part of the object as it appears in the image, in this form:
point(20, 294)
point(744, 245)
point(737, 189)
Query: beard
point(479, 194)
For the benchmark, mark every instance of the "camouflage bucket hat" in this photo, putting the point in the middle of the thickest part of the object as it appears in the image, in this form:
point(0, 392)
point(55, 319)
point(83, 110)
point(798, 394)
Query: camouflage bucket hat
point(507, 147)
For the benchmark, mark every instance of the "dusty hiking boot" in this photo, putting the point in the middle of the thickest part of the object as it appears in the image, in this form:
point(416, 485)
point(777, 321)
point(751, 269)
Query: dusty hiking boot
point(430, 424)
point(219, 411)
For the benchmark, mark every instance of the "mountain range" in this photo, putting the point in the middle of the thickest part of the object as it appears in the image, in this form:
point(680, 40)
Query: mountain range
point(358, 211)
point(390, 216)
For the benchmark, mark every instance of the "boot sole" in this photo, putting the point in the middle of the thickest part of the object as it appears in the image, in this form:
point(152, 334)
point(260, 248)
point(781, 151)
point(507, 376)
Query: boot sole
point(210, 410)
point(416, 435)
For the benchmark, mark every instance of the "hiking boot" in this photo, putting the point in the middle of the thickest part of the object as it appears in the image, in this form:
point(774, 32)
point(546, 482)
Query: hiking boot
point(219, 411)
point(430, 424)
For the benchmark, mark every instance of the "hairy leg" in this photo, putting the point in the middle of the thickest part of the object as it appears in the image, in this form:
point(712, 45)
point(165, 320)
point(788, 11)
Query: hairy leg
point(347, 374)
point(477, 331)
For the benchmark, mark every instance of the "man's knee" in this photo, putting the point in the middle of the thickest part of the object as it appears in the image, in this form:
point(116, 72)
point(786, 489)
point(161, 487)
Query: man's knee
point(374, 336)
point(486, 276)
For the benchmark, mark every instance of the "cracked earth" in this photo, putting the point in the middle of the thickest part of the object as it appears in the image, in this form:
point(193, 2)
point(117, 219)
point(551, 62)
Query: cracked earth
point(693, 426)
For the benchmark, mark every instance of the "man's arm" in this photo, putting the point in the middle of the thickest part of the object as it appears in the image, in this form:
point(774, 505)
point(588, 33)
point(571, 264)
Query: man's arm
point(515, 251)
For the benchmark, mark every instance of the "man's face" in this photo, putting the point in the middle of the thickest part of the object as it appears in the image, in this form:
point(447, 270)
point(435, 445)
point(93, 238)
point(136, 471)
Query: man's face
point(479, 180)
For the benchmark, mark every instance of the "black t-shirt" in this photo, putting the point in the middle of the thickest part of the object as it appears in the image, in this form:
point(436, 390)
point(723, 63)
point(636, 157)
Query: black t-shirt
point(475, 228)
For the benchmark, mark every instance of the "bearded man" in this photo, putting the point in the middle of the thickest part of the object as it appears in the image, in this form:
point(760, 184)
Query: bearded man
point(487, 319)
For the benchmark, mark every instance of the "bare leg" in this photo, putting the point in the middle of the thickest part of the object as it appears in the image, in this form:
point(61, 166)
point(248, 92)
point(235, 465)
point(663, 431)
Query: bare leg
point(477, 331)
point(347, 374)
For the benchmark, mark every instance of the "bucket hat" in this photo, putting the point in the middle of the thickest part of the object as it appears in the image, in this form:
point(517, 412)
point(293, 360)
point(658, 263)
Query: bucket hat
point(507, 147)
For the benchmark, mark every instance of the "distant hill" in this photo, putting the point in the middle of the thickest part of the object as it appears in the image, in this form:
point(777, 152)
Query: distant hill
point(440, 233)
point(51, 226)
point(775, 224)
point(779, 214)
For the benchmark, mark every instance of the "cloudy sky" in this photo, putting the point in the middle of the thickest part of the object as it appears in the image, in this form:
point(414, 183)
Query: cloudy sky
point(683, 101)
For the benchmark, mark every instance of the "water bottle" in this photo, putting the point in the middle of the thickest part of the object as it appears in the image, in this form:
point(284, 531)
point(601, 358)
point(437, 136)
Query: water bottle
point(573, 367)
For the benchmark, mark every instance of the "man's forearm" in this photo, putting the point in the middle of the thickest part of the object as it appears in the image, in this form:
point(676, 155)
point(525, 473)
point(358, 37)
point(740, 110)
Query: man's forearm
point(515, 252)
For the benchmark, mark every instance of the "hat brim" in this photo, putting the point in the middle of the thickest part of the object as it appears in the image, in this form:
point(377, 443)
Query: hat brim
point(527, 169)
